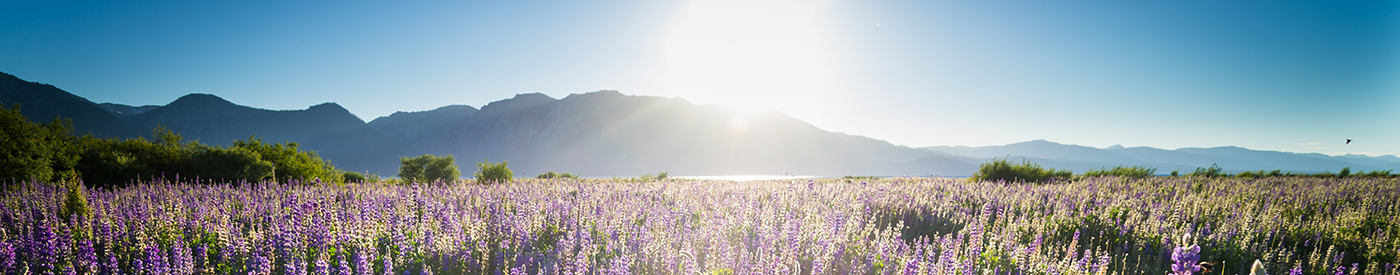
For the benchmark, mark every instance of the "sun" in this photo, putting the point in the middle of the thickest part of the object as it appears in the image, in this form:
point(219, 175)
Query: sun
point(753, 54)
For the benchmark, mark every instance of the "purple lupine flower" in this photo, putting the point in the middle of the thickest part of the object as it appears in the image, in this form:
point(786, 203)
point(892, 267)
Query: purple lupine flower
point(86, 260)
point(388, 265)
point(7, 255)
point(1186, 259)
point(321, 267)
point(260, 265)
point(362, 264)
point(343, 267)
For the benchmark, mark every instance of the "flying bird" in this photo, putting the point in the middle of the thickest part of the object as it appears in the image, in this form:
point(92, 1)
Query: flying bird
point(1348, 141)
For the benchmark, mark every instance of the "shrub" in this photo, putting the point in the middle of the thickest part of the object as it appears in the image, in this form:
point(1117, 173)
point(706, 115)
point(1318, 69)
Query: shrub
point(1346, 171)
point(429, 168)
point(1140, 172)
point(1252, 174)
point(1212, 172)
point(75, 201)
point(1377, 174)
point(1004, 170)
point(487, 172)
point(553, 175)
point(352, 176)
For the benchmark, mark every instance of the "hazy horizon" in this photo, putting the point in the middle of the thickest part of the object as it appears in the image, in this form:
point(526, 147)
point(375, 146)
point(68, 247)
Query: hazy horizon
point(1292, 77)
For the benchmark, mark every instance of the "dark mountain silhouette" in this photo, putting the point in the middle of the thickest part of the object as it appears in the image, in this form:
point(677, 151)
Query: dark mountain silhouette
point(43, 102)
point(607, 133)
point(123, 111)
point(328, 129)
point(1081, 158)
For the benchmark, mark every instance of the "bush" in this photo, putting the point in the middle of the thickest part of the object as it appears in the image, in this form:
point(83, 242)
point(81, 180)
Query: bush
point(352, 176)
point(1377, 174)
point(487, 172)
point(1140, 172)
point(75, 201)
point(1212, 172)
point(429, 168)
point(553, 175)
point(1003, 170)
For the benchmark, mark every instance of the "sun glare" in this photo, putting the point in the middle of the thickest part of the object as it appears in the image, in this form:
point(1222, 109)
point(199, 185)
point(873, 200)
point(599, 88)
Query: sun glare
point(753, 54)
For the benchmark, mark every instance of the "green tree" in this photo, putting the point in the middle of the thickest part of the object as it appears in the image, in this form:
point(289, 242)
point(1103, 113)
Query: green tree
point(33, 151)
point(429, 168)
point(487, 172)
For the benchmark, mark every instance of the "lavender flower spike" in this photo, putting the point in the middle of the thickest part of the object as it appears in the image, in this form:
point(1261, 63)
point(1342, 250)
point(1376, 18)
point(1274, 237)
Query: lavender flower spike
point(1186, 259)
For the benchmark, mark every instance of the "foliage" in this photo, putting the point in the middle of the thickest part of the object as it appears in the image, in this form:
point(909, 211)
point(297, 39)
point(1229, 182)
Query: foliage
point(75, 201)
point(1004, 170)
point(33, 151)
point(1138, 172)
point(352, 176)
point(553, 175)
point(429, 168)
point(1213, 172)
point(114, 162)
point(288, 161)
point(1105, 225)
point(650, 178)
point(487, 172)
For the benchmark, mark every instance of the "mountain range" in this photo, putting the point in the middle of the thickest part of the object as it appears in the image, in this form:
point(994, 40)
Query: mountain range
point(606, 133)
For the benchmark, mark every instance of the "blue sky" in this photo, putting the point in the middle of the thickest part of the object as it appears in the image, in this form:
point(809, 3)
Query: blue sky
point(1273, 75)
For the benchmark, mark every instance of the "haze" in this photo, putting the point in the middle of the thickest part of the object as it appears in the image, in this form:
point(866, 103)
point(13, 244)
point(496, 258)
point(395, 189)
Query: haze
point(1287, 76)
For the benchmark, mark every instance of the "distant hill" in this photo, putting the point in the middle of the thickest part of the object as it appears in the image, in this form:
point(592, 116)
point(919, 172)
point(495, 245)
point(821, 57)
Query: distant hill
point(123, 111)
point(596, 134)
point(606, 133)
point(1234, 159)
point(43, 102)
point(327, 129)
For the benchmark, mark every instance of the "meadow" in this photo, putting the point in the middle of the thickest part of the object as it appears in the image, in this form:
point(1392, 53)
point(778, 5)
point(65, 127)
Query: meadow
point(1093, 225)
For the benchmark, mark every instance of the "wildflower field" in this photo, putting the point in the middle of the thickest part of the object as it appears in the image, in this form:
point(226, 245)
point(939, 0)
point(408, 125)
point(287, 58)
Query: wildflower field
point(1104, 225)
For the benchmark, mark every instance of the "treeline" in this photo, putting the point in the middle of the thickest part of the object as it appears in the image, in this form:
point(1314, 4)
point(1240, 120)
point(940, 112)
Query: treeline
point(1005, 170)
point(50, 152)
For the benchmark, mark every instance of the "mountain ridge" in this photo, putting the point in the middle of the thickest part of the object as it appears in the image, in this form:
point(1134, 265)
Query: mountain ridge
point(605, 133)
